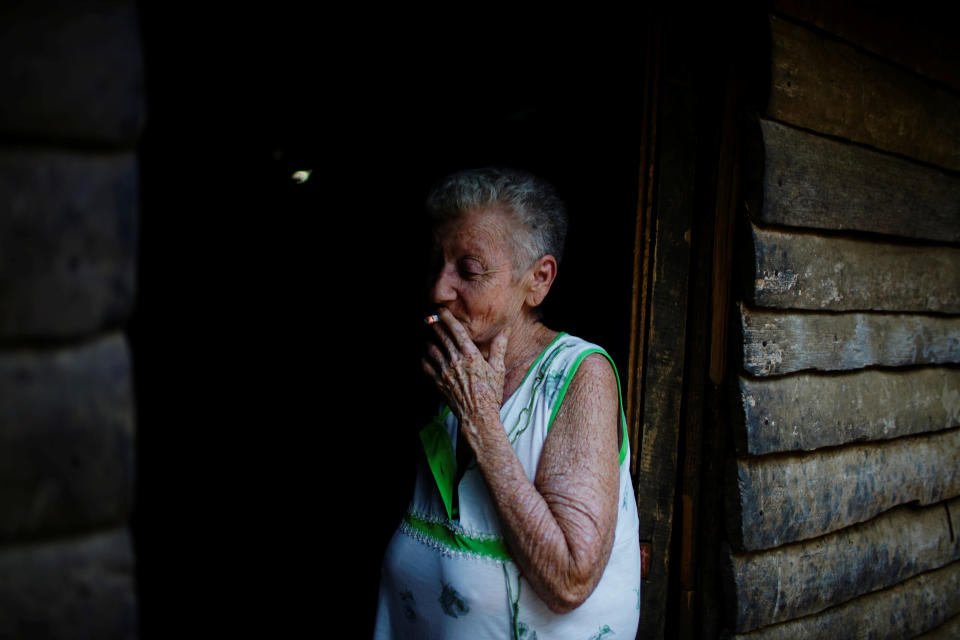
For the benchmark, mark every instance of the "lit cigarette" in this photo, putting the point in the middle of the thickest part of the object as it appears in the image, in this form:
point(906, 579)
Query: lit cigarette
point(429, 320)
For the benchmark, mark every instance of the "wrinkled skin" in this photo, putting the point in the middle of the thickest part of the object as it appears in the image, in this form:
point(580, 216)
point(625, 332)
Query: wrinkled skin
point(559, 528)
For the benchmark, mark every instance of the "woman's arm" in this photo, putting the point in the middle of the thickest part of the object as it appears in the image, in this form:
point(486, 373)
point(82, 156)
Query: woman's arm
point(560, 528)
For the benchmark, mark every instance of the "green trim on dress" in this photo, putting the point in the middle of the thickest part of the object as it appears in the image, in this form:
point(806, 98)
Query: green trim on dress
point(571, 371)
point(442, 461)
point(441, 458)
point(490, 547)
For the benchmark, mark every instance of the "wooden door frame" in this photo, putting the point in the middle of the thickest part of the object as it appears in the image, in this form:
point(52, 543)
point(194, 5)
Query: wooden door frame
point(687, 200)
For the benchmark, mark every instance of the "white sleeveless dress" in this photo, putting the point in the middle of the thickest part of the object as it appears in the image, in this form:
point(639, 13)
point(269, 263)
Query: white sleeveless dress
point(447, 572)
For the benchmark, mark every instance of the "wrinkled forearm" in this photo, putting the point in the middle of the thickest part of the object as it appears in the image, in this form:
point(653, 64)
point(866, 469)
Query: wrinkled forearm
point(553, 534)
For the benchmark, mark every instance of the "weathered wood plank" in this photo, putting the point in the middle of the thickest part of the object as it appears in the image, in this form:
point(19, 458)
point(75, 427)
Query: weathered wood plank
point(68, 238)
point(903, 611)
point(807, 271)
point(808, 411)
point(774, 500)
point(694, 423)
point(66, 438)
point(828, 86)
point(922, 41)
point(799, 579)
point(74, 588)
point(811, 181)
point(71, 71)
point(644, 235)
point(776, 343)
point(949, 630)
point(664, 366)
point(727, 203)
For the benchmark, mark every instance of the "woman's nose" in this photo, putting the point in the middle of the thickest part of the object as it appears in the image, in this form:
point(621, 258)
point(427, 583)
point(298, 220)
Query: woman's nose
point(443, 290)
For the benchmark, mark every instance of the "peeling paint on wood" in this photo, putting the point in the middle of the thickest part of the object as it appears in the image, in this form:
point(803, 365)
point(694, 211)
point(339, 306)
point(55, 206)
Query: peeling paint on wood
point(811, 181)
point(799, 579)
point(807, 271)
point(779, 499)
point(910, 608)
point(828, 86)
point(66, 438)
point(810, 411)
point(775, 342)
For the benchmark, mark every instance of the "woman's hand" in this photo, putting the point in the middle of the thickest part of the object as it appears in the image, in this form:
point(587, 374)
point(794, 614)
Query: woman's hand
point(471, 383)
point(560, 528)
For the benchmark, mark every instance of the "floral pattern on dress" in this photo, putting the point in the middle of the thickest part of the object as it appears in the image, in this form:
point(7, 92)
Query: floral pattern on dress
point(525, 632)
point(453, 604)
point(604, 631)
point(409, 612)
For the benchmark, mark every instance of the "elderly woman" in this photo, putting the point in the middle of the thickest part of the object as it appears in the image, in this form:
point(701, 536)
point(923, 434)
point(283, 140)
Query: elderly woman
point(523, 522)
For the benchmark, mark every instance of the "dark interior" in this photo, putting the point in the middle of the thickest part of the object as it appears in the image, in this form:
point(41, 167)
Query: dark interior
point(277, 335)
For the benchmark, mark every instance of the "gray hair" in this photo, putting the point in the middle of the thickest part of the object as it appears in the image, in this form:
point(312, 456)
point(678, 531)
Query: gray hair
point(538, 212)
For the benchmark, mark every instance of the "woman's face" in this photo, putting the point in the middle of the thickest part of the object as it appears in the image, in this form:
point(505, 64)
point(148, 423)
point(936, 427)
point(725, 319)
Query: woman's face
point(475, 273)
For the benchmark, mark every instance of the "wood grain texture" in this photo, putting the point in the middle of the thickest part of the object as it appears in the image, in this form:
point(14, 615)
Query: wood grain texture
point(904, 611)
point(800, 579)
point(813, 272)
point(70, 588)
point(66, 438)
point(816, 182)
point(775, 500)
point(777, 342)
point(68, 242)
point(643, 240)
point(727, 203)
point(949, 630)
point(921, 41)
point(804, 412)
point(664, 366)
point(828, 86)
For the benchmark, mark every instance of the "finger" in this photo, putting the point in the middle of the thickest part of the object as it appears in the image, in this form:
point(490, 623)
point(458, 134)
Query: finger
point(428, 368)
point(498, 349)
point(437, 372)
point(431, 372)
point(446, 372)
point(464, 342)
point(435, 357)
point(443, 335)
point(445, 340)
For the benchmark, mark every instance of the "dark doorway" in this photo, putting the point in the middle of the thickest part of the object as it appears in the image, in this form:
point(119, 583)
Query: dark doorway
point(298, 305)
point(562, 102)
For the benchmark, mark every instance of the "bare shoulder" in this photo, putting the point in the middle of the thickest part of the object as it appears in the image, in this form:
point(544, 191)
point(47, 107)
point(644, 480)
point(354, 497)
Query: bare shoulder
point(586, 425)
point(578, 473)
point(595, 373)
point(593, 392)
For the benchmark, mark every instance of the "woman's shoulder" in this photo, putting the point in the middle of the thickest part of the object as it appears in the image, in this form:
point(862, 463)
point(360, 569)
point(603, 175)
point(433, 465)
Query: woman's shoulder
point(568, 351)
point(567, 357)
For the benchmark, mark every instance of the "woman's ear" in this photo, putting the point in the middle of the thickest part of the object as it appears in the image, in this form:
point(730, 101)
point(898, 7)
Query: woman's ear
point(542, 273)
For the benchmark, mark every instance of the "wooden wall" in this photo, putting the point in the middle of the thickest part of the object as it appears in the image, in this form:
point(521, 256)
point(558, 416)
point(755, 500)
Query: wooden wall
point(843, 497)
point(70, 121)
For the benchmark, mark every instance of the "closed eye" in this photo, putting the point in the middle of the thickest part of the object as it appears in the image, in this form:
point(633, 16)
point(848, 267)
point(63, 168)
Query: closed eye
point(470, 269)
